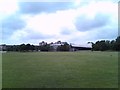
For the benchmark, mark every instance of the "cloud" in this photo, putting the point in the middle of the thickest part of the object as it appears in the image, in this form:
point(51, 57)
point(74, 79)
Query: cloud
point(26, 35)
point(83, 23)
point(51, 23)
point(33, 35)
point(55, 21)
point(65, 32)
point(8, 8)
point(106, 33)
point(39, 7)
point(13, 22)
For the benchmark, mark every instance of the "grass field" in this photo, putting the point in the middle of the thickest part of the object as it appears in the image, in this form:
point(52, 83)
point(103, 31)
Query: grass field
point(83, 69)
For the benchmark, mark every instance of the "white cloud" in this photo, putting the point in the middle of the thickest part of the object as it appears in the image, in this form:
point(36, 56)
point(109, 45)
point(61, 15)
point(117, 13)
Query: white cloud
point(8, 7)
point(51, 23)
point(60, 25)
point(19, 34)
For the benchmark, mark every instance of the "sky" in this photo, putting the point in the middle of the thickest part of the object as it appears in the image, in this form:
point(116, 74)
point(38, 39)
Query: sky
point(72, 21)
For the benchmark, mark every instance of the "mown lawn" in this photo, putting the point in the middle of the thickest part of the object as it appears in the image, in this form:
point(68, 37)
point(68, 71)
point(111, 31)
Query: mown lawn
point(83, 69)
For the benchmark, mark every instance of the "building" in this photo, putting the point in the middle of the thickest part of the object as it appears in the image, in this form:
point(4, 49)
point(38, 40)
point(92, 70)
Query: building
point(3, 47)
point(78, 48)
point(55, 45)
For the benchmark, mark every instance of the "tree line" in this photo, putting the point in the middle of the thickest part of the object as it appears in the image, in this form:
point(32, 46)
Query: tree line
point(29, 47)
point(47, 47)
point(104, 45)
point(22, 47)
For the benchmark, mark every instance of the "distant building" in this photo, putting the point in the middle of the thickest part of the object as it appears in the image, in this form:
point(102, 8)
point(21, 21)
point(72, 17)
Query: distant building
point(77, 48)
point(3, 47)
point(42, 43)
point(56, 45)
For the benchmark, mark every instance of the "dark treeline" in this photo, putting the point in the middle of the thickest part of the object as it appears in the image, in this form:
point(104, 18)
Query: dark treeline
point(65, 47)
point(53, 47)
point(45, 47)
point(29, 47)
point(22, 47)
point(104, 45)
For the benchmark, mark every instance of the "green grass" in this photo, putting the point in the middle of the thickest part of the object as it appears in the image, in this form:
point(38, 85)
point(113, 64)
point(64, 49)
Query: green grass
point(83, 69)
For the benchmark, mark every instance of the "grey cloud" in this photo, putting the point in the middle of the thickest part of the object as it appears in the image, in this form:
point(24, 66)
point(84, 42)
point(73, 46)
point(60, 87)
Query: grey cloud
point(6, 33)
point(38, 36)
point(107, 33)
point(84, 24)
point(13, 22)
point(66, 31)
point(98, 34)
point(38, 7)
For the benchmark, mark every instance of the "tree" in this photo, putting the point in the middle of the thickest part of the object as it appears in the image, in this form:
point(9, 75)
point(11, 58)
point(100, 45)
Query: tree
point(32, 47)
point(65, 47)
point(27, 47)
point(96, 46)
point(91, 44)
point(22, 47)
point(103, 45)
point(45, 47)
point(112, 45)
point(15, 48)
point(107, 45)
point(117, 44)
point(37, 48)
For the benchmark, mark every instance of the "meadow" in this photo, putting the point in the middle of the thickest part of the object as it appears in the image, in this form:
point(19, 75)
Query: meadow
point(84, 69)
